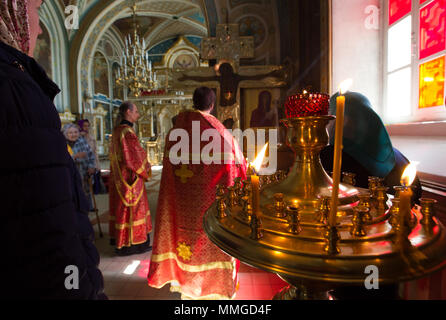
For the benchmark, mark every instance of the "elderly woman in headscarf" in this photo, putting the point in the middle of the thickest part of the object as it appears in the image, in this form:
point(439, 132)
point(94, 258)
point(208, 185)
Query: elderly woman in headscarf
point(84, 130)
point(367, 149)
point(82, 155)
point(47, 236)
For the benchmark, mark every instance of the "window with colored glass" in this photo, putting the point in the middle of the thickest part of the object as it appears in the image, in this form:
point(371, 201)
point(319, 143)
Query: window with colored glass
point(415, 60)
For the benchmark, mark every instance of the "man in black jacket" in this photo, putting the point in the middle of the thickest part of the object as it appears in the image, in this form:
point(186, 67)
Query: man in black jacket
point(47, 245)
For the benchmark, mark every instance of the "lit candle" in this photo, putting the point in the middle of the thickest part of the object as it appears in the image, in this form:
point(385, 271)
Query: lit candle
point(337, 158)
point(406, 193)
point(255, 180)
point(295, 204)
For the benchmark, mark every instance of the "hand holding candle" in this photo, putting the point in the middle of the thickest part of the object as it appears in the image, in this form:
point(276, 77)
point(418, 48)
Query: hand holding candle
point(337, 158)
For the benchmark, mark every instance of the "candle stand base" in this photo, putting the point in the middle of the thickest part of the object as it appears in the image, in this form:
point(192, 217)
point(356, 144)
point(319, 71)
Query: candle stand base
point(300, 258)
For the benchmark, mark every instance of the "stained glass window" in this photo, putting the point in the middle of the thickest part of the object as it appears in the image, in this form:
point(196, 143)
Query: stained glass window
point(432, 28)
point(398, 9)
point(432, 75)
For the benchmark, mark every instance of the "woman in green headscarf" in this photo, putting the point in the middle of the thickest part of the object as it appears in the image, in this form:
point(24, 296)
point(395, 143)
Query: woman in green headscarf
point(367, 149)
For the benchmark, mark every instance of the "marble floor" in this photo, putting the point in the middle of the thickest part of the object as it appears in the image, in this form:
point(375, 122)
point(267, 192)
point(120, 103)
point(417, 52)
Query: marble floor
point(125, 277)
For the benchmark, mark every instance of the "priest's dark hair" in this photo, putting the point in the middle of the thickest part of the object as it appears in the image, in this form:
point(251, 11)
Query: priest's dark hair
point(126, 105)
point(203, 98)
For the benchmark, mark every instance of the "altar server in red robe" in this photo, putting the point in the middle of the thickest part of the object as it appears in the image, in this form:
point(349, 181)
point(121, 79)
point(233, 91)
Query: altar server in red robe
point(183, 256)
point(130, 222)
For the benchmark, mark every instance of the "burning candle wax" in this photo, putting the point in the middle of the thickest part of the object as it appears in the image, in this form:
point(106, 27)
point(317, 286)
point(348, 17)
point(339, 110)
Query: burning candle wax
point(255, 180)
point(337, 158)
point(406, 193)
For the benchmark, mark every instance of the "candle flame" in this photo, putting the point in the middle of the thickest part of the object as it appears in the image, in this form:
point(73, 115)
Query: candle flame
point(409, 174)
point(345, 85)
point(305, 92)
point(259, 159)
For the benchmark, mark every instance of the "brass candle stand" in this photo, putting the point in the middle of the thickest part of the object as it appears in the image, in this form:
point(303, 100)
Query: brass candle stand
point(290, 235)
point(307, 179)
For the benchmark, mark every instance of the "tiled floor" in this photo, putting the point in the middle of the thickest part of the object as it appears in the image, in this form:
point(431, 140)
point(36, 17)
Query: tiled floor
point(254, 284)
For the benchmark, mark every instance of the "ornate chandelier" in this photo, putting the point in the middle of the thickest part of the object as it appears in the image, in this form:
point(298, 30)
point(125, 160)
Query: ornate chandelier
point(136, 71)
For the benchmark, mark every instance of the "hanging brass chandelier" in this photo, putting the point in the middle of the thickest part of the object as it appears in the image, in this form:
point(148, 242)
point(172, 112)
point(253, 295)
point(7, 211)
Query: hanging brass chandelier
point(136, 71)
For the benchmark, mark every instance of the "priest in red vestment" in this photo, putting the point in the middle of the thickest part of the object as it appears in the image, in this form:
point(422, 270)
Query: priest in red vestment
point(182, 255)
point(130, 222)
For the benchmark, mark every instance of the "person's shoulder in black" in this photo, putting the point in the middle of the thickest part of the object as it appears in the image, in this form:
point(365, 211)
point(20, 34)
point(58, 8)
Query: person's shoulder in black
point(45, 226)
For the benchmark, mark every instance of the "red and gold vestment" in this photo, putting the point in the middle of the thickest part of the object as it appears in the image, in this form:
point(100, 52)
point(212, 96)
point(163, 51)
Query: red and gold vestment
point(130, 220)
point(182, 254)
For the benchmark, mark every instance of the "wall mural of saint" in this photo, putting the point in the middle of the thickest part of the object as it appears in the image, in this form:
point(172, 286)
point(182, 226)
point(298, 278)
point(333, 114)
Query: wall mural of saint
point(42, 52)
point(261, 107)
point(117, 90)
point(100, 74)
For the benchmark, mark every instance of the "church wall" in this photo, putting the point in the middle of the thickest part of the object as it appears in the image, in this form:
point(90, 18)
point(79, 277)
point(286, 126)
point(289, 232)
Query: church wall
point(423, 142)
point(429, 151)
point(356, 47)
point(303, 46)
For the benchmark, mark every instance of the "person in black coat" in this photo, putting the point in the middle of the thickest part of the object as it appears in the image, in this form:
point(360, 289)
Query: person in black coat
point(47, 245)
point(367, 149)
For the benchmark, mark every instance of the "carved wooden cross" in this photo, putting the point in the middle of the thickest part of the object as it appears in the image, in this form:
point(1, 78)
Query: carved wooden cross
point(227, 45)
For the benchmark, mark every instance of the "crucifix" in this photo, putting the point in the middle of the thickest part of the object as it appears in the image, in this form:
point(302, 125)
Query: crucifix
point(227, 45)
point(227, 48)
